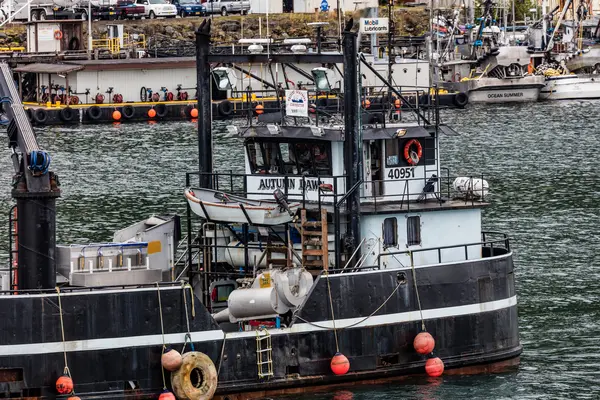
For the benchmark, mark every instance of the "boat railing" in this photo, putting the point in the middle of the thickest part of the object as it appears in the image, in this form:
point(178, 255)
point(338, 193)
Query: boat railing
point(497, 245)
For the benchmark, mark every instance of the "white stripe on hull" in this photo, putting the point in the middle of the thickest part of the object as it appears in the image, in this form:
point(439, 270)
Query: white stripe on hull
point(209, 336)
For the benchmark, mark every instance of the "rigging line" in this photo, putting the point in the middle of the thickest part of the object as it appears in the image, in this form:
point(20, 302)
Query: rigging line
point(414, 274)
point(62, 331)
point(188, 335)
point(337, 345)
point(162, 329)
point(222, 351)
point(362, 320)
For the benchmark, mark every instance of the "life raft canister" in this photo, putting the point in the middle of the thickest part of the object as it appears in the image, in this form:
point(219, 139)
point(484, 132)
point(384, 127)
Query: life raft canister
point(408, 155)
point(196, 379)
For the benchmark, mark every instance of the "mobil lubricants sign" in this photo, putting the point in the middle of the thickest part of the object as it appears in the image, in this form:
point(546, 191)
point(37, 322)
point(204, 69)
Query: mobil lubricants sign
point(374, 25)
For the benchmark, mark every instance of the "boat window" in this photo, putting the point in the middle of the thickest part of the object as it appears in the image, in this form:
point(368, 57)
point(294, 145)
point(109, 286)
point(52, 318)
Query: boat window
point(392, 153)
point(390, 232)
point(223, 292)
point(312, 159)
point(413, 231)
point(255, 155)
point(287, 159)
point(271, 151)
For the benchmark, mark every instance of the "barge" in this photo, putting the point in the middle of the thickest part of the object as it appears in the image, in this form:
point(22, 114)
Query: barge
point(384, 249)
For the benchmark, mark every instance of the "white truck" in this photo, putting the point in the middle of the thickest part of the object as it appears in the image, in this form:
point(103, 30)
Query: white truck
point(56, 9)
point(225, 7)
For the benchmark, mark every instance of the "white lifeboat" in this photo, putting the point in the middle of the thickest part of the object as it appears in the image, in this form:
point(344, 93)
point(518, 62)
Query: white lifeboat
point(217, 206)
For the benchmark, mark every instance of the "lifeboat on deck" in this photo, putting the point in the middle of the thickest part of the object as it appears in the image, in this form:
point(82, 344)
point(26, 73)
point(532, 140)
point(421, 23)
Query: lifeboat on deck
point(217, 206)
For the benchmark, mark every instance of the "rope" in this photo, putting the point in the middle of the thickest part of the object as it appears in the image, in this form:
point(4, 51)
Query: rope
point(162, 329)
point(222, 351)
point(188, 335)
point(337, 345)
point(414, 274)
point(359, 322)
point(62, 331)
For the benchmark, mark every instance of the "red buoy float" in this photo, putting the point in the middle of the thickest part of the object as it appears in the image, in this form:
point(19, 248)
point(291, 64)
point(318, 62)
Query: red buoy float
point(434, 367)
point(171, 360)
point(116, 115)
point(194, 113)
point(64, 385)
point(74, 398)
point(260, 109)
point(166, 395)
point(424, 343)
point(340, 364)
point(152, 113)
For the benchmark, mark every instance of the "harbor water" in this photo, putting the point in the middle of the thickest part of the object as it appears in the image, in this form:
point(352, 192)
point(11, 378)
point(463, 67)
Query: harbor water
point(540, 159)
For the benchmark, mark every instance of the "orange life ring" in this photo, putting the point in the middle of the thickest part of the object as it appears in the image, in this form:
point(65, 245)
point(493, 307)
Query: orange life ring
point(407, 147)
point(58, 35)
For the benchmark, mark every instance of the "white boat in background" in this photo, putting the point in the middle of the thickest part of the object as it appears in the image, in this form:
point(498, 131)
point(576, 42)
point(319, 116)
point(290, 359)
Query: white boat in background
point(507, 90)
point(217, 206)
point(571, 87)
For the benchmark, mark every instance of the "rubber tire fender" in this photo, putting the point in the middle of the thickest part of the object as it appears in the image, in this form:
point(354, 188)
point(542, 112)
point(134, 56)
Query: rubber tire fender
point(161, 110)
point(94, 112)
point(40, 116)
point(67, 114)
point(460, 99)
point(225, 108)
point(181, 381)
point(128, 112)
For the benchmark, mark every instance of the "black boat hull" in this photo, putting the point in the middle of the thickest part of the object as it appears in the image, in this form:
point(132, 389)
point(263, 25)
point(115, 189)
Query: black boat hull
point(113, 338)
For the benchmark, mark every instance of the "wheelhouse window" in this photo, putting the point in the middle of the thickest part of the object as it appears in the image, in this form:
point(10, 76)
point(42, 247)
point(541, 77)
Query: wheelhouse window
point(392, 153)
point(413, 231)
point(390, 232)
point(283, 158)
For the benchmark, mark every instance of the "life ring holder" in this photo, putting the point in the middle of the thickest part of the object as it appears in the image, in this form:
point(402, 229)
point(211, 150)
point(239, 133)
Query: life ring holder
point(58, 35)
point(407, 147)
point(195, 362)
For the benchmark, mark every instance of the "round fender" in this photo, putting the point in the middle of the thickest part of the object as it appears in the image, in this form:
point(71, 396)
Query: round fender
point(94, 112)
point(161, 110)
point(128, 112)
point(460, 99)
point(40, 116)
point(67, 114)
point(225, 108)
point(196, 379)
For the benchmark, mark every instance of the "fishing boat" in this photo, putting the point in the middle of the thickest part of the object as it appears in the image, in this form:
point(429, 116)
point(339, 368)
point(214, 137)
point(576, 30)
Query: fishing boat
point(386, 271)
point(223, 207)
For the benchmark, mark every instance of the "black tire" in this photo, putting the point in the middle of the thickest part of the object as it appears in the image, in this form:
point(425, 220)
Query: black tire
point(460, 100)
point(67, 114)
point(74, 43)
point(128, 112)
point(152, 15)
point(143, 94)
point(43, 15)
point(84, 16)
point(182, 13)
point(161, 110)
point(225, 108)
point(40, 116)
point(29, 114)
point(94, 113)
point(224, 11)
point(35, 16)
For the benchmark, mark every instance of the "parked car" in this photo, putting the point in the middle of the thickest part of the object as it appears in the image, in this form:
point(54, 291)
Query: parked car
point(225, 7)
point(127, 9)
point(189, 7)
point(158, 8)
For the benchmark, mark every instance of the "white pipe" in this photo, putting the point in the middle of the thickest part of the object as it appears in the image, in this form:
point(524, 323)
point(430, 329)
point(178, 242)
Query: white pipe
point(91, 267)
point(90, 26)
point(72, 267)
point(147, 262)
point(110, 265)
point(128, 264)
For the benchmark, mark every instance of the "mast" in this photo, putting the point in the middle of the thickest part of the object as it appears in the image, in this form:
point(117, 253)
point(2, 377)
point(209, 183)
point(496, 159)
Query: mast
point(352, 139)
point(203, 74)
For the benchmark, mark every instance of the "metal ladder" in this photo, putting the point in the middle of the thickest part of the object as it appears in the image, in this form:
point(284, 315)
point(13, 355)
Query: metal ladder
point(264, 354)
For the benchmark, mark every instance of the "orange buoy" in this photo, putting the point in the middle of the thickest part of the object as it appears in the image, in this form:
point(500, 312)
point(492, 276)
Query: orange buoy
point(260, 109)
point(366, 103)
point(74, 398)
point(171, 360)
point(424, 343)
point(64, 385)
point(340, 364)
point(116, 115)
point(434, 367)
point(397, 103)
point(152, 113)
point(194, 113)
point(166, 395)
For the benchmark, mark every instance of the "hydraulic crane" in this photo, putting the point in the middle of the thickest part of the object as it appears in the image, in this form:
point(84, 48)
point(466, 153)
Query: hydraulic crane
point(35, 190)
